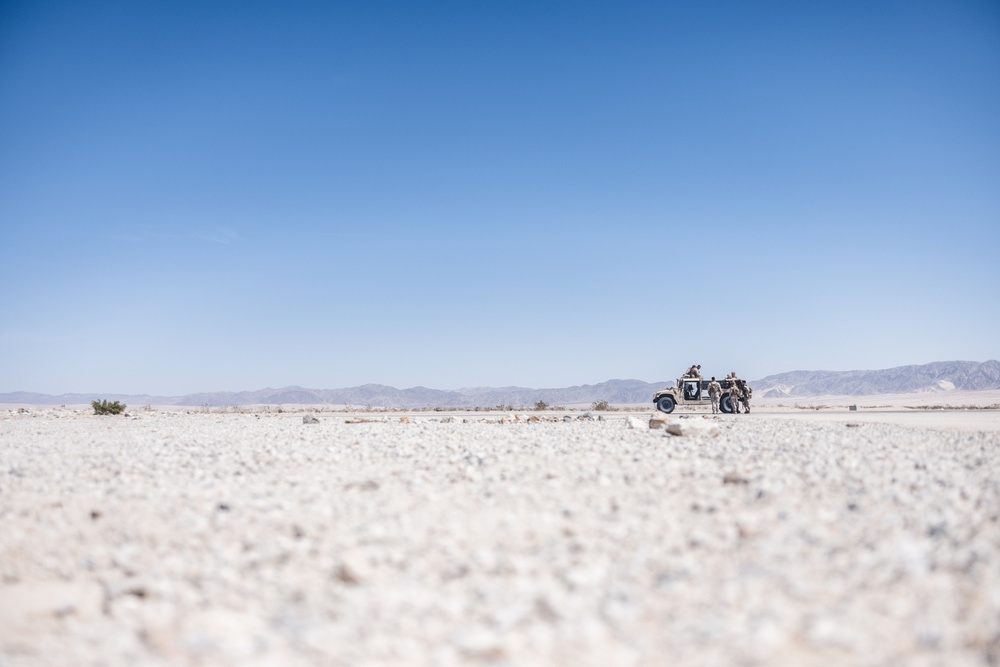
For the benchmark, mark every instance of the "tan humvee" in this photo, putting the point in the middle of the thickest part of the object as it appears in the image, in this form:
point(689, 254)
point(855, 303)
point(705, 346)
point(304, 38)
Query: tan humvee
point(694, 391)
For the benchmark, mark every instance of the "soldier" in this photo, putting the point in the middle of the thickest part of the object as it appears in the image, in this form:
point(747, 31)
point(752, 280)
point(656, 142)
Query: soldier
point(734, 394)
point(692, 390)
point(745, 398)
point(714, 391)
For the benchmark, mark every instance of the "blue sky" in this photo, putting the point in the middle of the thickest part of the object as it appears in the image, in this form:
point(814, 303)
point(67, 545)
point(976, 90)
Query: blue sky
point(228, 196)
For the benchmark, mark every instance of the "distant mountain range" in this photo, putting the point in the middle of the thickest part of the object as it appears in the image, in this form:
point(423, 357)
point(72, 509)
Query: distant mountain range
point(377, 395)
point(938, 376)
point(934, 377)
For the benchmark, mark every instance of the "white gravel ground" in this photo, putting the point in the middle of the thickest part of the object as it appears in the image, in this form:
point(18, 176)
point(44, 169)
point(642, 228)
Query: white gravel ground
point(210, 539)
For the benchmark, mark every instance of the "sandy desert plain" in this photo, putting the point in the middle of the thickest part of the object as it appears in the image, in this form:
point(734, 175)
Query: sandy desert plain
point(809, 535)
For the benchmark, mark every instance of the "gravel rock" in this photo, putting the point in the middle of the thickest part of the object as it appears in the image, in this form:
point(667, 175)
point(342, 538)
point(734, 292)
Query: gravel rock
point(209, 538)
point(354, 569)
point(658, 420)
point(696, 426)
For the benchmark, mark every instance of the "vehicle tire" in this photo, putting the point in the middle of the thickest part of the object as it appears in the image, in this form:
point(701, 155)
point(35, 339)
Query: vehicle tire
point(665, 404)
point(726, 405)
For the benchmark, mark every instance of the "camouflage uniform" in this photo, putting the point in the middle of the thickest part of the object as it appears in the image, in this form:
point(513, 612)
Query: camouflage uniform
point(745, 398)
point(714, 391)
point(734, 393)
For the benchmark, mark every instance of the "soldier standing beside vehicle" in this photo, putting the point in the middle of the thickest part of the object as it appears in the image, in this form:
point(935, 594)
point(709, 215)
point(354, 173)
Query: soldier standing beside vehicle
point(745, 397)
point(714, 392)
point(734, 393)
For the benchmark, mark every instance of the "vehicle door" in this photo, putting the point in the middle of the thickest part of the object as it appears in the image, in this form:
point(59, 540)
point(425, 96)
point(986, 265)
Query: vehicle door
point(693, 389)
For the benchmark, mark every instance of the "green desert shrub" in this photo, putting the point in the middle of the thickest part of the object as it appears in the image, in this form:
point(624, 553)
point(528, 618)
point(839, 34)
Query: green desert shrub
point(105, 408)
point(600, 405)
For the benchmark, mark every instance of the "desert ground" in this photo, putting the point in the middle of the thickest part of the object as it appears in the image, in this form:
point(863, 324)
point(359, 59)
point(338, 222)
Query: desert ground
point(796, 535)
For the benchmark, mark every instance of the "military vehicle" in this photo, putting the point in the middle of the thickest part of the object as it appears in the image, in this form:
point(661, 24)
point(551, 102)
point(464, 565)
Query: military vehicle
point(694, 391)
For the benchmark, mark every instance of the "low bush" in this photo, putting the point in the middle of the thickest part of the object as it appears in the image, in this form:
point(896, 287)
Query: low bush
point(105, 408)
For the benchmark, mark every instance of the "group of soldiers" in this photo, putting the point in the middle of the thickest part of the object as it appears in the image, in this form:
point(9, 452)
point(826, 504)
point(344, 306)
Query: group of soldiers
point(739, 390)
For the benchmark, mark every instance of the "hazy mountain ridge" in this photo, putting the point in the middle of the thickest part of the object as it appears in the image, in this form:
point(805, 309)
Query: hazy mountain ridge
point(375, 395)
point(938, 376)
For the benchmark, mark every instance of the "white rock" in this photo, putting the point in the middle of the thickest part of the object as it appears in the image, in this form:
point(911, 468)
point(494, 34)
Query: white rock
point(223, 632)
point(635, 423)
point(477, 641)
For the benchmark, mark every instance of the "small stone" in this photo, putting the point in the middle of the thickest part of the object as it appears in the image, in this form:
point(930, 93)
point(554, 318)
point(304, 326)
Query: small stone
point(310, 419)
point(353, 569)
point(125, 558)
point(478, 642)
point(734, 478)
point(130, 586)
point(658, 421)
point(693, 427)
point(227, 635)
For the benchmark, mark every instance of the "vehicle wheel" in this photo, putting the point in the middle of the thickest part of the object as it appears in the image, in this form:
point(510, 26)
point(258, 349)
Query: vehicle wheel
point(665, 404)
point(726, 405)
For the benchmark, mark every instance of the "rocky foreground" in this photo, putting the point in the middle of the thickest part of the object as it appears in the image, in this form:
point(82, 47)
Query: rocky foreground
point(203, 539)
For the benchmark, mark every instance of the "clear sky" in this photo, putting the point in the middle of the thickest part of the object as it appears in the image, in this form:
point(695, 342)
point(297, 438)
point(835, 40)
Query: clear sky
point(203, 196)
